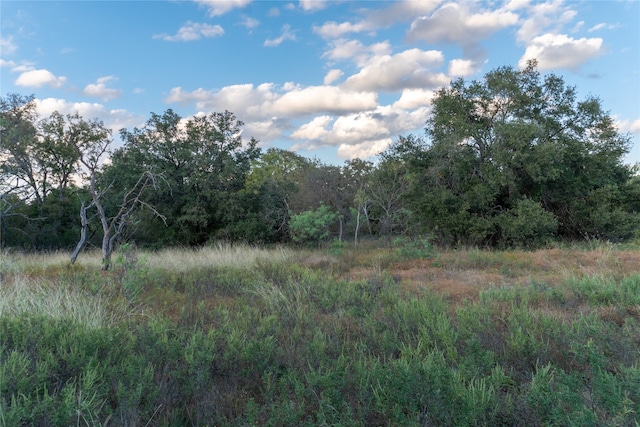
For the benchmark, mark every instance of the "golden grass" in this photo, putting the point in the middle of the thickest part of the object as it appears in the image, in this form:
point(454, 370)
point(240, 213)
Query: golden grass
point(14, 262)
point(40, 297)
point(222, 255)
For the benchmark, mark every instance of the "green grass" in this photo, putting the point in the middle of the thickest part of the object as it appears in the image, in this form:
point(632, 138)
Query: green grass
point(238, 336)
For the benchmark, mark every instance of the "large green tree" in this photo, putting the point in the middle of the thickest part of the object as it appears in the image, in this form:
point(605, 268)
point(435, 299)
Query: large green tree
point(37, 198)
point(515, 159)
point(204, 162)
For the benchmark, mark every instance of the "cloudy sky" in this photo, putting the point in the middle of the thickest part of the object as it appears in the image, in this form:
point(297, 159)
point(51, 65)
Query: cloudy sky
point(328, 79)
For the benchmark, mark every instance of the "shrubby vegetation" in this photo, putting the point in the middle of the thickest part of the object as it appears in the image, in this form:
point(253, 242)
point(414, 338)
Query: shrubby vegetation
point(512, 160)
point(245, 336)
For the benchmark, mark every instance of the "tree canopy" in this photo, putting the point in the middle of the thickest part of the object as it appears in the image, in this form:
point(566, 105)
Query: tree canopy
point(513, 159)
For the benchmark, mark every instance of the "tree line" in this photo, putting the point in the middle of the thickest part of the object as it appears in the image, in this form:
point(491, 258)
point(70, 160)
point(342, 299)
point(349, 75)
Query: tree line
point(514, 159)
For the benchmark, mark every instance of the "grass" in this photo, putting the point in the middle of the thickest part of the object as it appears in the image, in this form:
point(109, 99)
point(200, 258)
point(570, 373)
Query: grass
point(238, 335)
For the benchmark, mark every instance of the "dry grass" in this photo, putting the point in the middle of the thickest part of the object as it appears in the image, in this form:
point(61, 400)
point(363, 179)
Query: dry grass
point(13, 262)
point(223, 255)
point(55, 300)
point(462, 274)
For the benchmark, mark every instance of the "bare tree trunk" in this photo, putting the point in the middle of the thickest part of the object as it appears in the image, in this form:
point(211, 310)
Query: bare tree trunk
point(83, 231)
point(355, 236)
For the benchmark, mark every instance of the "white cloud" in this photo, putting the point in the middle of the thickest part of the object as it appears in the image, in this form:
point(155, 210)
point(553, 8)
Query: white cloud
point(463, 67)
point(332, 29)
point(268, 110)
point(114, 119)
point(4, 63)
point(39, 78)
point(550, 16)
point(249, 23)
point(628, 125)
point(15, 67)
point(603, 26)
point(313, 5)
point(354, 50)
point(192, 31)
point(332, 76)
point(363, 150)
point(412, 99)
point(455, 23)
point(316, 129)
point(407, 69)
point(220, 7)
point(100, 89)
point(274, 12)
point(7, 46)
point(561, 51)
point(375, 19)
point(362, 134)
point(287, 34)
point(319, 99)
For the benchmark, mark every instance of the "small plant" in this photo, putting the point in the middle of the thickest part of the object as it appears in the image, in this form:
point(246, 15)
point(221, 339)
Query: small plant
point(414, 248)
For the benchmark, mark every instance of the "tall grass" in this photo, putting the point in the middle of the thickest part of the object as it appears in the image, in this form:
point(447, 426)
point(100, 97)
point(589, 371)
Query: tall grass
point(236, 335)
point(24, 296)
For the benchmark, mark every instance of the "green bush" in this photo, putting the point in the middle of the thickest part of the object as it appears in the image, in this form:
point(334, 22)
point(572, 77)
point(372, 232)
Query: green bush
point(313, 225)
point(527, 225)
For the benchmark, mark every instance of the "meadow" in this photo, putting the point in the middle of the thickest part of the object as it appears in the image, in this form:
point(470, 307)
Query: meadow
point(408, 335)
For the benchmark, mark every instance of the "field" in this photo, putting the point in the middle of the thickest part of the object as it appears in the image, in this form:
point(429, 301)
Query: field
point(408, 335)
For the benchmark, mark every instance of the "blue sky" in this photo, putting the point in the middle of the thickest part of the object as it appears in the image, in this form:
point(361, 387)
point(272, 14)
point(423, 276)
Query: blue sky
point(328, 79)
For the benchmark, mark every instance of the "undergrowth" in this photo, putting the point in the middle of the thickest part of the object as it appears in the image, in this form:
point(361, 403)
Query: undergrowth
point(281, 338)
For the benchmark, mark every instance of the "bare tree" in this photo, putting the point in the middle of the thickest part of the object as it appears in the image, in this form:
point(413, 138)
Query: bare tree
point(91, 141)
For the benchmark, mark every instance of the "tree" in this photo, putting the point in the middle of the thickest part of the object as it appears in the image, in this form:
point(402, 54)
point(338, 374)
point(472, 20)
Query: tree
point(515, 145)
point(37, 161)
point(90, 141)
point(204, 162)
point(357, 173)
point(19, 173)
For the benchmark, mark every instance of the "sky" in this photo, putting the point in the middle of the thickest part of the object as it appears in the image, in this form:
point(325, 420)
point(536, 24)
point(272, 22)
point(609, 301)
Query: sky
point(333, 80)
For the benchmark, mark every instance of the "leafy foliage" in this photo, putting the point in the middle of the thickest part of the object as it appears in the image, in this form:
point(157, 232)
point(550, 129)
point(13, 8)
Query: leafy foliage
point(517, 145)
point(313, 225)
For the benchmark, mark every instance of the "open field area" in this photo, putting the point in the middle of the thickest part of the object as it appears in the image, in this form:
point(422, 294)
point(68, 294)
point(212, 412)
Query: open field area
point(406, 335)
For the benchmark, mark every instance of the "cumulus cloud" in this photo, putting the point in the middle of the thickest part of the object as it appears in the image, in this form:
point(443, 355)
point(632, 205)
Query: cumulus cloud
point(7, 46)
point(375, 19)
point(39, 78)
point(267, 100)
point(354, 50)
point(455, 23)
point(100, 90)
point(561, 51)
point(220, 7)
point(549, 16)
point(410, 68)
point(362, 134)
point(114, 119)
point(463, 67)
point(412, 99)
point(319, 99)
point(332, 76)
point(313, 5)
point(287, 34)
point(192, 31)
point(332, 29)
point(632, 126)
